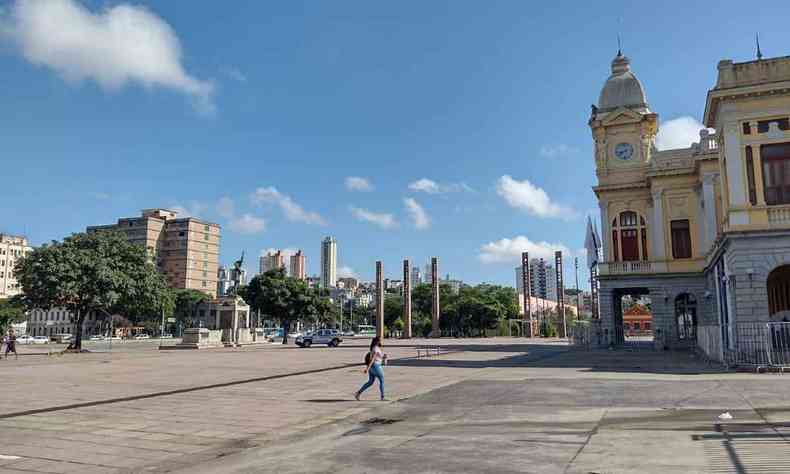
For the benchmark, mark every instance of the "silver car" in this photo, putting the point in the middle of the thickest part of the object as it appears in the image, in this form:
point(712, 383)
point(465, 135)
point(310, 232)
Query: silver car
point(330, 337)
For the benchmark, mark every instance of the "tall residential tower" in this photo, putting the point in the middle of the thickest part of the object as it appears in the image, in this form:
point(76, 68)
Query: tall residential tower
point(328, 262)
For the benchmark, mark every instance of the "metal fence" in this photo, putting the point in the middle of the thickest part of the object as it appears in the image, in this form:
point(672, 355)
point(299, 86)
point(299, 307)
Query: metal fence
point(584, 334)
point(752, 344)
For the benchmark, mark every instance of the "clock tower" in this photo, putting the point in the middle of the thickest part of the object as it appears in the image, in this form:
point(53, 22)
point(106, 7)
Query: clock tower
point(623, 127)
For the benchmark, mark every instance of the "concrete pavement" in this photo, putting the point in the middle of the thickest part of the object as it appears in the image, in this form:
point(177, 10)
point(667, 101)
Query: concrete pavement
point(494, 405)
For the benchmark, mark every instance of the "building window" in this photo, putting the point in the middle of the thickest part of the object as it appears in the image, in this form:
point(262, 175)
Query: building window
point(681, 239)
point(779, 293)
point(776, 173)
point(205, 236)
point(205, 228)
point(204, 283)
point(629, 237)
point(750, 176)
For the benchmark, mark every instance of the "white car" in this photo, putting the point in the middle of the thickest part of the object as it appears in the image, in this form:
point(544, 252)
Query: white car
point(140, 337)
point(96, 338)
point(25, 339)
point(40, 340)
point(330, 337)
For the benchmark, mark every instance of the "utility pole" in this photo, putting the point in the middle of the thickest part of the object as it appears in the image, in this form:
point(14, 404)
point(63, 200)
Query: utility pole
point(578, 304)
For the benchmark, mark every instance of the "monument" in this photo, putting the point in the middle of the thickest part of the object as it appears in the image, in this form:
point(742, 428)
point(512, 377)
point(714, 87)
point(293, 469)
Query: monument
point(435, 329)
point(526, 289)
point(561, 325)
point(379, 300)
point(406, 299)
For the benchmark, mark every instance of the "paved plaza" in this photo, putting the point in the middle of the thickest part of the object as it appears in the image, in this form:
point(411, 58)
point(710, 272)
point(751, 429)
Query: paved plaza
point(488, 405)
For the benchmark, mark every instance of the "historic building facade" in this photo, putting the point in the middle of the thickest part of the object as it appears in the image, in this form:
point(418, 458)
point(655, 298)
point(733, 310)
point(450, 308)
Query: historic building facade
point(704, 231)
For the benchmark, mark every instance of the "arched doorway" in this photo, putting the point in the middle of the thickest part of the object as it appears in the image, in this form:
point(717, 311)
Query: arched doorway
point(686, 316)
point(779, 294)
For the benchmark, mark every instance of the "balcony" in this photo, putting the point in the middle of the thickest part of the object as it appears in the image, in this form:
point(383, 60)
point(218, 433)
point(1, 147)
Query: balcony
point(631, 268)
point(778, 216)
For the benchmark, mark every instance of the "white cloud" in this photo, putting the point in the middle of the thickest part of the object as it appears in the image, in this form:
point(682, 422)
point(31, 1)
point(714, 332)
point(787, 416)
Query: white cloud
point(244, 224)
point(429, 186)
point(293, 211)
point(385, 221)
point(116, 46)
point(552, 151)
point(193, 209)
point(678, 133)
point(532, 199)
point(287, 252)
point(247, 224)
point(509, 250)
point(346, 272)
point(357, 183)
point(418, 214)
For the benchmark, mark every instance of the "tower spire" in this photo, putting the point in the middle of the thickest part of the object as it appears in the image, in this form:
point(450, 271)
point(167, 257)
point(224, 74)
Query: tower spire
point(619, 46)
point(759, 53)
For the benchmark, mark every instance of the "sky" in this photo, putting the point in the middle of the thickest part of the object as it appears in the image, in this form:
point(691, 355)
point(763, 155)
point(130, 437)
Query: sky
point(405, 129)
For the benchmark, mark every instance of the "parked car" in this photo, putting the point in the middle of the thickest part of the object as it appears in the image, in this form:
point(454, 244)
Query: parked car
point(96, 337)
point(25, 339)
point(140, 337)
point(348, 334)
point(40, 340)
point(330, 337)
point(167, 336)
point(62, 338)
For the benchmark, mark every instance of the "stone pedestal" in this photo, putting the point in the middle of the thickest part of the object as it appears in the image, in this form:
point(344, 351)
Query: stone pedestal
point(198, 338)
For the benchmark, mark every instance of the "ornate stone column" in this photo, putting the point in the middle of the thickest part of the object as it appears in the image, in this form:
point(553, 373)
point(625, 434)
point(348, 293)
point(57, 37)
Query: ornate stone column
point(435, 329)
point(605, 230)
point(379, 300)
point(659, 244)
point(709, 198)
point(406, 299)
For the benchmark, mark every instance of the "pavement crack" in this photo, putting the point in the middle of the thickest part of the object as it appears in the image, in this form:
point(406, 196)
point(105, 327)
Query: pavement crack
point(590, 434)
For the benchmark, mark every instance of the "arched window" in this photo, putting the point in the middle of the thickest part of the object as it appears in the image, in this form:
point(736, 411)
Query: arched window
point(779, 293)
point(686, 315)
point(629, 237)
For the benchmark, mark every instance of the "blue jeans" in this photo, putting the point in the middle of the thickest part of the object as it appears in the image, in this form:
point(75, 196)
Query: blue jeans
point(375, 372)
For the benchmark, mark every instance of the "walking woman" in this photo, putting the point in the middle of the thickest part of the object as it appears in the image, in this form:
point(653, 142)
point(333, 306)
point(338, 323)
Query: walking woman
point(10, 344)
point(374, 361)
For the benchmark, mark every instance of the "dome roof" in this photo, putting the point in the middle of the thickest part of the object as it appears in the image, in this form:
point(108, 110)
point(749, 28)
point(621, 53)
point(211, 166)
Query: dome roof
point(622, 89)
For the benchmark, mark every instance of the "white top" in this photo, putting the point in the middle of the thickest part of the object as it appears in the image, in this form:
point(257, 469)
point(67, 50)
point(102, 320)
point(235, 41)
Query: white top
point(378, 355)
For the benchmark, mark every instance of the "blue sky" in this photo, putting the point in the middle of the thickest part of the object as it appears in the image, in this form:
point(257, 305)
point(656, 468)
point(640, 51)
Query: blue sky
point(255, 116)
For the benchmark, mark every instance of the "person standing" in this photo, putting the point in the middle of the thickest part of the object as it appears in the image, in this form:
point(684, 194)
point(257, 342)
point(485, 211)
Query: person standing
point(10, 344)
point(374, 361)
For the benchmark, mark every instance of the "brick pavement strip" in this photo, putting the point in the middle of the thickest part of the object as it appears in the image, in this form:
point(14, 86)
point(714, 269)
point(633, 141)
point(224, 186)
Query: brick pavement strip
point(101, 435)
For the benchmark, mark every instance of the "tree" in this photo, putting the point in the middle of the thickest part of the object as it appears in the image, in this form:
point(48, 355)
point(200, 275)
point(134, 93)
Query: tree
point(12, 310)
point(100, 272)
point(186, 303)
point(286, 299)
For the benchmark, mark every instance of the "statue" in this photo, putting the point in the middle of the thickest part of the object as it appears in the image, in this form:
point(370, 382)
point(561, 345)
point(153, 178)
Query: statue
point(236, 276)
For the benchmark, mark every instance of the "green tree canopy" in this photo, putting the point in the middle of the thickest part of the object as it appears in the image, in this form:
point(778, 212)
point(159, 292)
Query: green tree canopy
point(12, 310)
point(101, 272)
point(286, 299)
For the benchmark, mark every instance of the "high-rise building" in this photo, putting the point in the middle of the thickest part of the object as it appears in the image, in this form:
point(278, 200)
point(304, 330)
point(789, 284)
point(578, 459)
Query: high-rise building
point(297, 266)
point(185, 250)
point(272, 260)
point(12, 247)
point(328, 262)
point(415, 276)
point(427, 276)
point(349, 283)
point(542, 279)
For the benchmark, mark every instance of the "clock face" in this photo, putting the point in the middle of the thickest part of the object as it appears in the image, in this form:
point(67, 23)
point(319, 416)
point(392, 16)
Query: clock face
point(624, 151)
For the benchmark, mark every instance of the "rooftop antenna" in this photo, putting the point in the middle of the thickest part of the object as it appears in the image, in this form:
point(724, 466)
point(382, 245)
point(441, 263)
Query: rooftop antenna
point(759, 53)
point(619, 47)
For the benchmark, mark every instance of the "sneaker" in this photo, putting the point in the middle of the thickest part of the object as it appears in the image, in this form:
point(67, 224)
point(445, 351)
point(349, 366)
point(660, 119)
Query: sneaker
point(356, 396)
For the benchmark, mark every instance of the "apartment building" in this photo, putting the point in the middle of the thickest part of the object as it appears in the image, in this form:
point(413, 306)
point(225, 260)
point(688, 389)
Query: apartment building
point(185, 250)
point(12, 247)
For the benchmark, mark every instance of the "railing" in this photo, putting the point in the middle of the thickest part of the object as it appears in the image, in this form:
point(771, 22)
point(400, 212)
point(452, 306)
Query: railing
point(584, 334)
point(757, 345)
point(621, 268)
point(779, 215)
